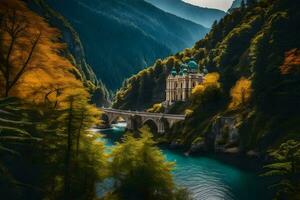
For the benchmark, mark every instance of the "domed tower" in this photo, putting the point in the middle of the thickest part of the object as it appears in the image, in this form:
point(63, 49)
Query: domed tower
point(184, 68)
point(180, 84)
point(193, 66)
point(174, 72)
point(171, 85)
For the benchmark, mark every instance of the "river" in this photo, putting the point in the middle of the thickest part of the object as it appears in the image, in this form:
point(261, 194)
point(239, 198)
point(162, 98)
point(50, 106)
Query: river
point(205, 177)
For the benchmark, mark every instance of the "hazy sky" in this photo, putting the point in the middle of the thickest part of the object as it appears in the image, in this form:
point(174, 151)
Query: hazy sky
point(219, 4)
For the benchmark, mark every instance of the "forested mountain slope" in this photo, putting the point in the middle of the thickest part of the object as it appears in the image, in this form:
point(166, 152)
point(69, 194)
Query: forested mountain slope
point(255, 52)
point(74, 51)
point(199, 15)
point(121, 37)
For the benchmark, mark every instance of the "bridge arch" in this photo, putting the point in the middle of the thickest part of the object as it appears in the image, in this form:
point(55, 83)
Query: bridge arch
point(117, 118)
point(136, 119)
point(152, 124)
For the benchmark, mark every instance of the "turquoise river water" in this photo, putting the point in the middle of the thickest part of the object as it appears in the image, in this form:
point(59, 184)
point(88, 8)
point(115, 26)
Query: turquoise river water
point(205, 177)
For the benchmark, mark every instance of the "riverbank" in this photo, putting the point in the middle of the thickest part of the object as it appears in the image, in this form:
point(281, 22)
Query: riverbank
point(208, 176)
point(253, 164)
point(239, 161)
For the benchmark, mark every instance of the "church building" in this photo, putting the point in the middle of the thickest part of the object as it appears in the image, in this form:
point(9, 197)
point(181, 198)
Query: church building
point(180, 84)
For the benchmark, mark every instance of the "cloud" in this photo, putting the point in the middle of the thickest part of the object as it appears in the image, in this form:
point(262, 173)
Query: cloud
point(219, 4)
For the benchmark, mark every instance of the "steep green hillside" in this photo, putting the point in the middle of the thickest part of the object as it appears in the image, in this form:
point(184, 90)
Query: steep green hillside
point(75, 51)
point(121, 37)
point(257, 46)
point(199, 15)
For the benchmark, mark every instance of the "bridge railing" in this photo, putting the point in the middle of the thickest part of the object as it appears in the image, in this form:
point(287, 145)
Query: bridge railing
point(130, 112)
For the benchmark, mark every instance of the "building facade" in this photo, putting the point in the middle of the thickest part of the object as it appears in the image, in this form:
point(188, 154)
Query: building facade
point(180, 84)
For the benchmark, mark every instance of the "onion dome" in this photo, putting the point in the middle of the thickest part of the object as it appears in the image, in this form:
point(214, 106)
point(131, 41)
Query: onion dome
point(193, 65)
point(174, 72)
point(185, 70)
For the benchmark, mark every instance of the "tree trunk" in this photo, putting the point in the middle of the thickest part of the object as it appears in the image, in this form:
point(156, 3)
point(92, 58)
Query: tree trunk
point(68, 153)
point(79, 131)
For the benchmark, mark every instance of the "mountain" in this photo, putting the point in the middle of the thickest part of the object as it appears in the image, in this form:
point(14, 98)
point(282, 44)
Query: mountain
point(235, 4)
point(121, 37)
point(199, 15)
point(74, 51)
point(256, 52)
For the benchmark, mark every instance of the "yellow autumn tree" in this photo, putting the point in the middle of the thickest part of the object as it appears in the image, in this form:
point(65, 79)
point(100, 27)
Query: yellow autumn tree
point(211, 79)
point(33, 69)
point(240, 93)
point(31, 65)
point(207, 90)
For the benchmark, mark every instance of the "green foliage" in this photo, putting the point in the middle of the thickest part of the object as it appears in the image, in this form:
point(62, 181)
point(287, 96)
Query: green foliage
point(285, 166)
point(258, 42)
point(141, 172)
point(146, 88)
point(13, 133)
point(35, 141)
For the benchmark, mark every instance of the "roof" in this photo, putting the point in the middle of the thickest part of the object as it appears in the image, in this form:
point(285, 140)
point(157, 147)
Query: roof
point(173, 72)
point(192, 64)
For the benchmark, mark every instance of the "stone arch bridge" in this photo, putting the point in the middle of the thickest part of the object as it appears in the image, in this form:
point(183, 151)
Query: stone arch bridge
point(136, 119)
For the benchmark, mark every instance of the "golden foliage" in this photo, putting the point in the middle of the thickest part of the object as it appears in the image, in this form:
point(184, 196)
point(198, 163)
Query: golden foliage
point(156, 108)
point(211, 79)
point(188, 112)
point(240, 93)
point(291, 62)
point(198, 89)
point(44, 76)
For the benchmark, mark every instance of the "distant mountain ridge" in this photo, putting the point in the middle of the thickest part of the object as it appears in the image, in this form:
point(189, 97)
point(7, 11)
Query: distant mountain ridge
point(121, 37)
point(236, 4)
point(199, 15)
point(74, 52)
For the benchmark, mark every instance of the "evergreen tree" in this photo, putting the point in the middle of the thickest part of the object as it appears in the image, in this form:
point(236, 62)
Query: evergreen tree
point(141, 172)
point(286, 166)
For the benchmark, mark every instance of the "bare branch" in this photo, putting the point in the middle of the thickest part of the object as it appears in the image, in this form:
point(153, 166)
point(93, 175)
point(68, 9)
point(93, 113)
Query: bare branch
point(29, 57)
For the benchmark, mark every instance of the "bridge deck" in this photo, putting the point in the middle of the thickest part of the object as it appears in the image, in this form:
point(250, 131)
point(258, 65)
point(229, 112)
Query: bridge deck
point(145, 114)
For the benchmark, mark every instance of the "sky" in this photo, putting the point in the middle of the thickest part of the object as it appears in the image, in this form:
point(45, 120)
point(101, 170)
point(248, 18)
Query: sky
point(219, 4)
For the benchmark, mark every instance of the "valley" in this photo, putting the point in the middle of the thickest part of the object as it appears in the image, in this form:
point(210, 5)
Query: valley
point(149, 100)
point(127, 36)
